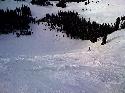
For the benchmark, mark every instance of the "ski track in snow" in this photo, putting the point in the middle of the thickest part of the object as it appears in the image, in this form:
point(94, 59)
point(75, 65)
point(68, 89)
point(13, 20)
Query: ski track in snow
point(46, 63)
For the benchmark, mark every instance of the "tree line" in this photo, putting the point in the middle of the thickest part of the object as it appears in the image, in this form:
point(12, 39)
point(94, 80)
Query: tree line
point(41, 2)
point(19, 0)
point(122, 22)
point(18, 19)
point(70, 0)
point(61, 3)
point(79, 28)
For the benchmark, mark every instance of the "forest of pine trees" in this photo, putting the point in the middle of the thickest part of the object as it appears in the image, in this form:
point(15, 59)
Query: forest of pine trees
point(70, 0)
point(79, 28)
point(13, 20)
point(41, 2)
point(62, 3)
point(19, 0)
point(123, 22)
point(69, 23)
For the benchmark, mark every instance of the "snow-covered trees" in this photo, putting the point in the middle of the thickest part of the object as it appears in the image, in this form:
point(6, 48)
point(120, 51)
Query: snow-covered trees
point(12, 20)
point(62, 3)
point(41, 2)
point(76, 27)
point(117, 23)
point(123, 22)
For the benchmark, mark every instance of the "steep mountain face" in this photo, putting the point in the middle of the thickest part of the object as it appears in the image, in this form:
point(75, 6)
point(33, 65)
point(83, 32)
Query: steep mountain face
point(50, 62)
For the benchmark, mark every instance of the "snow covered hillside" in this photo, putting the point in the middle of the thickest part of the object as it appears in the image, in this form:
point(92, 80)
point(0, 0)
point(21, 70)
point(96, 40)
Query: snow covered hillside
point(47, 62)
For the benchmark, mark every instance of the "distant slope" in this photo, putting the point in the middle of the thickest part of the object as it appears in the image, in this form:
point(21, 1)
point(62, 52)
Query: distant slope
point(104, 11)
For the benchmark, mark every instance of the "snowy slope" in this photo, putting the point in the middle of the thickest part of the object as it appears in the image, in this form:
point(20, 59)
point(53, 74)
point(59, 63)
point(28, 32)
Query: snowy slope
point(42, 42)
point(100, 70)
point(46, 63)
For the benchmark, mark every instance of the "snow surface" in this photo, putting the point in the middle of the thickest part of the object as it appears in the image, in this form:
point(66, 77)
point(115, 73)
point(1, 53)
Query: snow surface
point(47, 62)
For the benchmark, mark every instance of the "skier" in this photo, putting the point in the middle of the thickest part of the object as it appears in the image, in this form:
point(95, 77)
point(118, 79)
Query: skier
point(89, 49)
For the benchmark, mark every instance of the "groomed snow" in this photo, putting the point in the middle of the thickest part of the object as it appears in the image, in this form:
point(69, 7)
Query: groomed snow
point(46, 63)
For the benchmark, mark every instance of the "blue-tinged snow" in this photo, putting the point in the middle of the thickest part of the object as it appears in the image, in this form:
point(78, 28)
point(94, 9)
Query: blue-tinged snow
point(47, 62)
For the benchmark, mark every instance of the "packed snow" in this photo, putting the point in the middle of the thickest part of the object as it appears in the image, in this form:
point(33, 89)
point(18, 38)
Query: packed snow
point(47, 62)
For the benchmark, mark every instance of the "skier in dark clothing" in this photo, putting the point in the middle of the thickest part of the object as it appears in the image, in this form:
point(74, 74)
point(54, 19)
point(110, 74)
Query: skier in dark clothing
point(104, 39)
